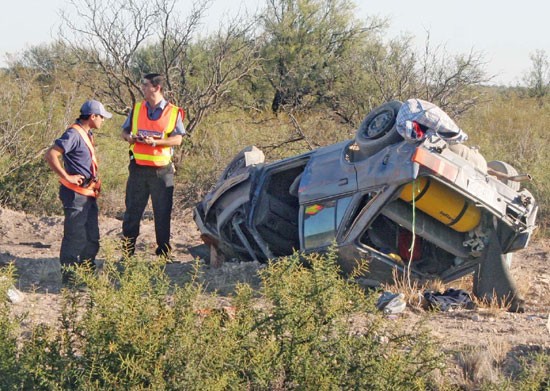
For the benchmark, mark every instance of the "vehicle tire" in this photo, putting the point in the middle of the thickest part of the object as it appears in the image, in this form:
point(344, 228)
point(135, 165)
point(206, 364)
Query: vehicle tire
point(507, 169)
point(378, 128)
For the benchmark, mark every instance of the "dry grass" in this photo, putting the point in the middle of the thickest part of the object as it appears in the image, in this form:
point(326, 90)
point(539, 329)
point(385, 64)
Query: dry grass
point(491, 308)
point(514, 129)
point(412, 289)
point(414, 293)
point(481, 364)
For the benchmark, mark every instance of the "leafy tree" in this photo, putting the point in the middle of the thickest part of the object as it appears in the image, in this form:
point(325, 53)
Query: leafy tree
point(375, 72)
point(317, 53)
point(305, 42)
point(537, 79)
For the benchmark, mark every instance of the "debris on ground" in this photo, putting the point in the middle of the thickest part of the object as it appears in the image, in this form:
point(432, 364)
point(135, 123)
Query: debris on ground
point(449, 300)
point(391, 303)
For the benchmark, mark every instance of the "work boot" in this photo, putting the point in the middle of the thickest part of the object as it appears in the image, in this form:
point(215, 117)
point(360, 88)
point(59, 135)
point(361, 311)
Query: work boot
point(165, 253)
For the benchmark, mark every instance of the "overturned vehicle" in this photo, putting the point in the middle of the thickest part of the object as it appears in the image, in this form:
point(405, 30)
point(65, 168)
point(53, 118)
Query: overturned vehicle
point(405, 195)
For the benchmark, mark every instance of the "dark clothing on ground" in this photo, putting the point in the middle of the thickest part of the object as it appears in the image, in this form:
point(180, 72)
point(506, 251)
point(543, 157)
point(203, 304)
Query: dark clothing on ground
point(449, 300)
point(145, 181)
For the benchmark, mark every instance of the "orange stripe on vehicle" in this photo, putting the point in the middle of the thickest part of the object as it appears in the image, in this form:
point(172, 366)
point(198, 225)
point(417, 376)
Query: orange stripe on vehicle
point(430, 160)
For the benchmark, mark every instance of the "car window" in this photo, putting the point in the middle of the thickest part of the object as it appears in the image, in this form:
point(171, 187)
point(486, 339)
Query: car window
point(321, 221)
point(343, 204)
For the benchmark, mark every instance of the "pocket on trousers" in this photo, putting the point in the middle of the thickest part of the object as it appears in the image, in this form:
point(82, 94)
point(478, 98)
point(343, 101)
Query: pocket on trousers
point(66, 196)
point(167, 174)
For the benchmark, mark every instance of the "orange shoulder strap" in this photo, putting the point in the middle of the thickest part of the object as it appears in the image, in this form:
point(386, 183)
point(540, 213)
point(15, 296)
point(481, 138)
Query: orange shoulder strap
point(85, 136)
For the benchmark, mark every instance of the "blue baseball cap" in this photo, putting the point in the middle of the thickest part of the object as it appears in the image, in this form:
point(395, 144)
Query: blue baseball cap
point(94, 107)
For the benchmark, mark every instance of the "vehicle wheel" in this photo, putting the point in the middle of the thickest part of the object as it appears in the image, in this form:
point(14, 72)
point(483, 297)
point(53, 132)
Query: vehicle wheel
point(378, 128)
point(507, 169)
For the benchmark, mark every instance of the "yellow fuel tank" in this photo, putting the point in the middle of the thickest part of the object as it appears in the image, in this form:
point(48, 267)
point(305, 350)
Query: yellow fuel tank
point(442, 203)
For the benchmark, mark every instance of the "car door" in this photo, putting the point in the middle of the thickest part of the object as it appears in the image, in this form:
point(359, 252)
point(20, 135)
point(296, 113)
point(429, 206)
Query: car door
point(325, 191)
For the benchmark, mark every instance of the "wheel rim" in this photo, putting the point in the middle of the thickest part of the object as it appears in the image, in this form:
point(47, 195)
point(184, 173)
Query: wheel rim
point(379, 124)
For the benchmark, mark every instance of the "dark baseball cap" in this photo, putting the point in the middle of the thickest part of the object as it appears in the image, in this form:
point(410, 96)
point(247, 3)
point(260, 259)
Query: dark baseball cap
point(94, 107)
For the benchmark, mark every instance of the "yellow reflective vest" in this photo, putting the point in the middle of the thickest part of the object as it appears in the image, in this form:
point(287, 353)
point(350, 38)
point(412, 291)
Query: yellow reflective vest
point(143, 126)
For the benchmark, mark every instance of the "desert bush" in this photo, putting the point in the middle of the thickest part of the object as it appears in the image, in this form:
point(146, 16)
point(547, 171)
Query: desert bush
point(305, 328)
point(534, 372)
point(30, 188)
point(133, 329)
point(313, 309)
point(485, 369)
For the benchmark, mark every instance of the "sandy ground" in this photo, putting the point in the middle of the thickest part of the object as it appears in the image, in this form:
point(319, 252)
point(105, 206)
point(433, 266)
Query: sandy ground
point(32, 243)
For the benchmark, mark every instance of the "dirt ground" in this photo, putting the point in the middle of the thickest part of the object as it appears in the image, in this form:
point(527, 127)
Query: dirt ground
point(32, 243)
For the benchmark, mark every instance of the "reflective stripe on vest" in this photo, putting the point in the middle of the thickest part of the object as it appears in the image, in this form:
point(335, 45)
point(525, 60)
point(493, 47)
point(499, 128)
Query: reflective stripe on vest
point(92, 190)
point(142, 125)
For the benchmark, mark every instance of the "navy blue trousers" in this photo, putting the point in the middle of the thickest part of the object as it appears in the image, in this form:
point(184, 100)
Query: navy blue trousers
point(80, 229)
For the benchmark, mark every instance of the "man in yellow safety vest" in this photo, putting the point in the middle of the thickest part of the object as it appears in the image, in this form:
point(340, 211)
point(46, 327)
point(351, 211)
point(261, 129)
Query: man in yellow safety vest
point(153, 128)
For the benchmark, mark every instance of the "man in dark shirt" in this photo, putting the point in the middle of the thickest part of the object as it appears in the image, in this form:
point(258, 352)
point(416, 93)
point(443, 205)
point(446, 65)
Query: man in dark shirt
point(79, 186)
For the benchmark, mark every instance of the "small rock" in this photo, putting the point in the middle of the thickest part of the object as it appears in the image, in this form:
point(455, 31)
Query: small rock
point(476, 318)
point(548, 323)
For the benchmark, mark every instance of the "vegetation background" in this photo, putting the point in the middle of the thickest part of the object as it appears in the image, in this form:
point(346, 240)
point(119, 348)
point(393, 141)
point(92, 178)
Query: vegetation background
point(299, 75)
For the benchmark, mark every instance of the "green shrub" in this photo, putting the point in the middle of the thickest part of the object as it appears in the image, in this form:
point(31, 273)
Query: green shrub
point(133, 329)
point(310, 327)
point(30, 188)
point(535, 372)
point(305, 328)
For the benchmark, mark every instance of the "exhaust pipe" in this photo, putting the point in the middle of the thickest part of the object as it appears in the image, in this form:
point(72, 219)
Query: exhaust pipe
point(513, 178)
